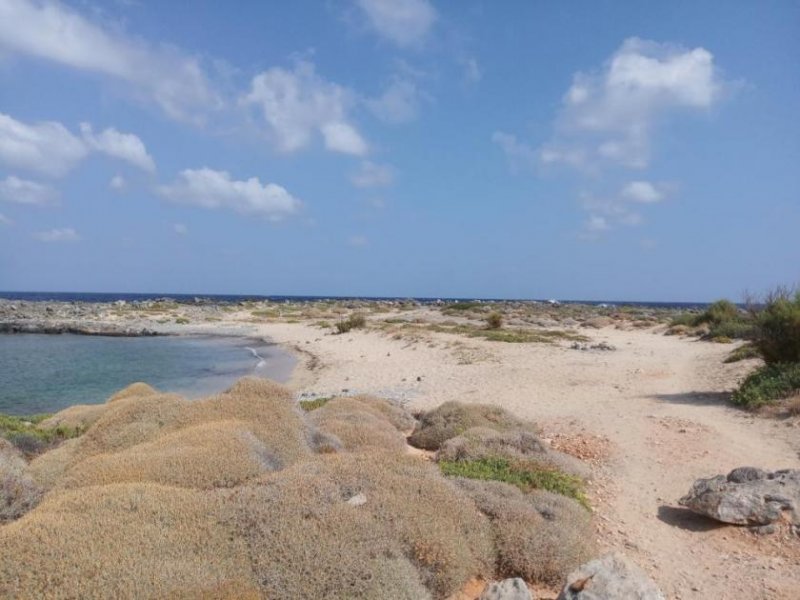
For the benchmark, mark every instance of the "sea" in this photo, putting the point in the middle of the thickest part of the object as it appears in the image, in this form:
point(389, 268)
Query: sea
point(42, 373)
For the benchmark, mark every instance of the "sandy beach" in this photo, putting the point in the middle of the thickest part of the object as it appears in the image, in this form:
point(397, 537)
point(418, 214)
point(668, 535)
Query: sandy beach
point(659, 401)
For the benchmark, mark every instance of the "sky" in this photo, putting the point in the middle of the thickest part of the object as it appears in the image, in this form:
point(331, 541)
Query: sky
point(596, 150)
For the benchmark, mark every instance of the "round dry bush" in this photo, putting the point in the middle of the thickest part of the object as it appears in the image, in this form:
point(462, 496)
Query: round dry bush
point(481, 442)
point(390, 410)
point(358, 424)
point(122, 541)
point(130, 421)
point(539, 536)
point(353, 526)
point(215, 454)
point(79, 416)
point(454, 418)
point(46, 469)
point(132, 391)
point(269, 410)
point(19, 493)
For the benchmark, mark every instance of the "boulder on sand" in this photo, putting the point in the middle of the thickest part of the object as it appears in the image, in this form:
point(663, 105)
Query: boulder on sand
point(611, 577)
point(747, 496)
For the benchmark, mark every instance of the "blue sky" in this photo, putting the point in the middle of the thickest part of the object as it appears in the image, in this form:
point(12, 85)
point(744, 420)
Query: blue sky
point(584, 150)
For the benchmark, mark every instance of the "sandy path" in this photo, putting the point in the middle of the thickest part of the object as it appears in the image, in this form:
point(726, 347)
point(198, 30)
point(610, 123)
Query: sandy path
point(656, 398)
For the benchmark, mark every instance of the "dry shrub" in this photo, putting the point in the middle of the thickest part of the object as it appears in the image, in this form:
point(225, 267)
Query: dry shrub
point(454, 418)
point(363, 422)
point(215, 454)
point(121, 541)
point(19, 493)
point(46, 469)
point(79, 417)
point(414, 536)
point(132, 391)
point(539, 536)
point(481, 442)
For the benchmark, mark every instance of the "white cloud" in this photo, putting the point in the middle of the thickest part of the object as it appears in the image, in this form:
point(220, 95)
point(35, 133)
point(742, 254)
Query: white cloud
point(117, 183)
point(125, 146)
point(4, 220)
point(299, 104)
point(47, 147)
point(52, 31)
point(66, 234)
point(357, 241)
point(51, 149)
point(399, 103)
point(22, 191)
point(370, 175)
point(609, 116)
point(212, 189)
point(180, 229)
point(643, 192)
point(403, 22)
point(520, 155)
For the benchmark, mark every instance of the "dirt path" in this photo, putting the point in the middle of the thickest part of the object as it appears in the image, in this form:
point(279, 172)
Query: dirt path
point(657, 399)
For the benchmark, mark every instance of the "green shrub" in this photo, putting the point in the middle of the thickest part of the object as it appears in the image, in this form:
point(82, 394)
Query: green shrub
point(314, 404)
point(526, 475)
point(718, 312)
point(740, 328)
point(30, 439)
point(354, 321)
point(462, 305)
point(743, 352)
point(686, 319)
point(494, 320)
point(779, 329)
point(769, 383)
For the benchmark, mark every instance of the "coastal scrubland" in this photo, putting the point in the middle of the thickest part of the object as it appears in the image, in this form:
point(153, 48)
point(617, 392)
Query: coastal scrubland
point(245, 494)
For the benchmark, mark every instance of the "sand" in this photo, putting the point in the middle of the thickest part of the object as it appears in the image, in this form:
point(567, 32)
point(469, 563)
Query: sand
point(658, 400)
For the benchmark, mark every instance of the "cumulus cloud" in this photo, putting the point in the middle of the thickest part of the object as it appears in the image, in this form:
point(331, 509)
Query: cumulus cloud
point(399, 103)
point(52, 31)
point(66, 234)
point(125, 146)
point(298, 104)
point(402, 22)
point(212, 189)
point(51, 149)
point(609, 116)
point(371, 175)
point(596, 223)
point(22, 191)
point(47, 147)
point(180, 229)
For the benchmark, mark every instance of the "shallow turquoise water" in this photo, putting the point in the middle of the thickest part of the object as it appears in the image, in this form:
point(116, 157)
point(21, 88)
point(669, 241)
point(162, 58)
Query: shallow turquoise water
point(45, 373)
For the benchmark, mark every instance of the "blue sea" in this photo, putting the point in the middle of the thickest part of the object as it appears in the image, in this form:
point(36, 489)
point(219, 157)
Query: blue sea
point(234, 298)
point(44, 373)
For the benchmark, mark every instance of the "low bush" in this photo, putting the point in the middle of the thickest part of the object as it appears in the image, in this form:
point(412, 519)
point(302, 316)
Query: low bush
point(769, 383)
point(19, 493)
point(354, 321)
point(741, 328)
point(779, 329)
point(314, 403)
point(525, 474)
point(359, 424)
point(494, 320)
point(454, 418)
point(538, 536)
point(743, 352)
point(26, 434)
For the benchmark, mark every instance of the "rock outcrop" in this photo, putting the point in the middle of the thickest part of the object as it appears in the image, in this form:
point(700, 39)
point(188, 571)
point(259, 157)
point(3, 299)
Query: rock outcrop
point(508, 589)
point(611, 577)
point(747, 496)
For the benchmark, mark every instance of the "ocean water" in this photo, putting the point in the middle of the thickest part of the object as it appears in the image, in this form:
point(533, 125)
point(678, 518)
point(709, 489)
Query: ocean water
point(45, 373)
point(188, 298)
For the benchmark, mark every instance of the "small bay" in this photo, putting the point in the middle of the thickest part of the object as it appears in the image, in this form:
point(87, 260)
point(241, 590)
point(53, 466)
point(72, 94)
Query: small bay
point(46, 373)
